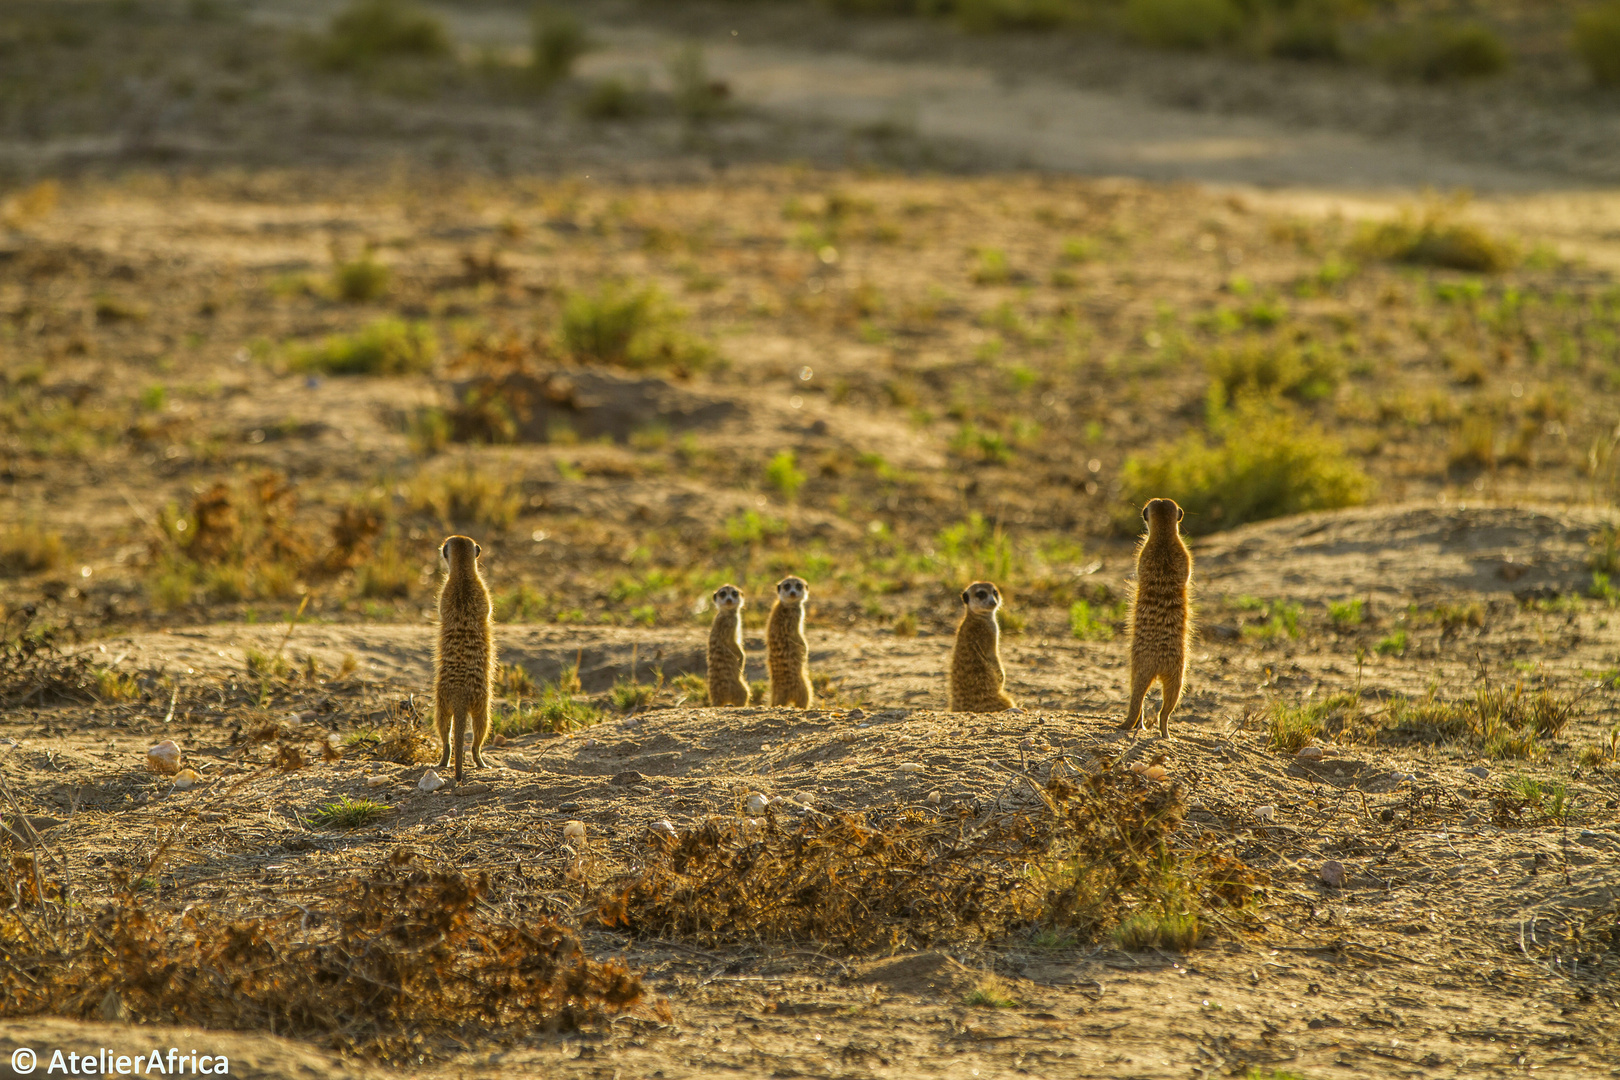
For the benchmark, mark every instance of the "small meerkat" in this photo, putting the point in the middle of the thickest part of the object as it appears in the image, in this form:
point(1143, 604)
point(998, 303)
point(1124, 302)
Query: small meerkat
point(464, 661)
point(1161, 615)
point(977, 677)
point(787, 656)
point(727, 686)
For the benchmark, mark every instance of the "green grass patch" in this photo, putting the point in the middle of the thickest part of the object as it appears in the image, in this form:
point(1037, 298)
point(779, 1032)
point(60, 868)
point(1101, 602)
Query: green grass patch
point(386, 347)
point(629, 327)
point(1346, 614)
point(360, 280)
point(782, 472)
point(1182, 24)
point(1261, 463)
point(558, 707)
point(557, 40)
point(368, 31)
point(1092, 624)
point(347, 813)
point(1393, 645)
point(1596, 38)
point(1435, 239)
point(1441, 50)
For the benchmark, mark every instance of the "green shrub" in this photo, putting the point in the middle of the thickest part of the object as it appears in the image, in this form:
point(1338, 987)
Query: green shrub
point(557, 40)
point(1268, 368)
point(782, 472)
point(1346, 614)
point(611, 99)
point(1183, 24)
point(1262, 464)
point(1085, 624)
point(697, 97)
point(369, 30)
point(632, 328)
point(1307, 31)
point(386, 347)
point(1441, 50)
point(1597, 42)
point(361, 279)
point(1436, 240)
point(347, 813)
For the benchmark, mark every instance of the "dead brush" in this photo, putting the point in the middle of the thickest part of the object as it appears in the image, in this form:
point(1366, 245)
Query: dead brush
point(35, 667)
point(390, 964)
point(1087, 857)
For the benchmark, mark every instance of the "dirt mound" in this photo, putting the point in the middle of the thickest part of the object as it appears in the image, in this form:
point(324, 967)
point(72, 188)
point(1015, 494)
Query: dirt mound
point(1411, 553)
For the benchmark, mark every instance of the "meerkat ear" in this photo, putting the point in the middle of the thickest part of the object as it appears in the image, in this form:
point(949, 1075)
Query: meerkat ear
point(1180, 513)
point(1144, 513)
point(964, 596)
point(478, 549)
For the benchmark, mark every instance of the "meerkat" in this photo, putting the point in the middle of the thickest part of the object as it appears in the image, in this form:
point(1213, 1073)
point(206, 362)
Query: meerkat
point(464, 662)
point(1161, 617)
point(727, 686)
point(977, 676)
point(787, 657)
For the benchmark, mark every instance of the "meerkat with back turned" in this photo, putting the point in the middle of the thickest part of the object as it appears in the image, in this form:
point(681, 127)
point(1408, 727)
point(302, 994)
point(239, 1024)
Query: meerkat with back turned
point(727, 685)
point(464, 661)
point(787, 656)
point(977, 677)
point(1161, 614)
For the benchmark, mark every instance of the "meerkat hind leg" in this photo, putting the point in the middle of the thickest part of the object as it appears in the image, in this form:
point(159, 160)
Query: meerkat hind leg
point(1140, 682)
point(480, 731)
point(442, 713)
point(458, 733)
point(1170, 683)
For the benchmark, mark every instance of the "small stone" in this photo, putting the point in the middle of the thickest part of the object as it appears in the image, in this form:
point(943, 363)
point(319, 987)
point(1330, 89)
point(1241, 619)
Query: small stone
point(910, 767)
point(1139, 768)
point(1332, 873)
point(1027, 744)
point(568, 807)
point(574, 833)
point(756, 803)
point(1265, 813)
point(164, 758)
point(499, 740)
point(379, 781)
point(625, 779)
point(1471, 820)
point(665, 828)
point(1015, 711)
point(855, 714)
point(934, 798)
point(1156, 772)
point(807, 798)
point(1386, 815)
point(186, 779)
point(431, 781)
point(1310, 753)
point(1480, 771)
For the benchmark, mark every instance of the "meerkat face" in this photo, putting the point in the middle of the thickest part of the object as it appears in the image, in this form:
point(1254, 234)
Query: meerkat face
point(982, 597)
point(1162, 512)
point(792, 590)
point(462, 549)
point(728, 598)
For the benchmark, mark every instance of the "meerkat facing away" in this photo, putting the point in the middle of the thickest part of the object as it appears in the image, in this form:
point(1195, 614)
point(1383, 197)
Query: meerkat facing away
point(977, 677)
point(787, 656)
point(1161, 617)
point(464, 662)
point(727, 685)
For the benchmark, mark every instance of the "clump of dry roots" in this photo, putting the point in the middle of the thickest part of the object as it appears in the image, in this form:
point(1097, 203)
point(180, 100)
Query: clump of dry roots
point(389, 962)
point(1090, 856)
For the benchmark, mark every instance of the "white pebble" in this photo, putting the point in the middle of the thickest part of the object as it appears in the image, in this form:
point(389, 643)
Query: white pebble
point(757, 802)
point(1310, 753)
point(186, 779)
point(910, 767)
point(664, 828)
point(933, 798)
point(164, 758)
point(805, 797)
point(378, 781)
point(1267, 812)
point(431, 781)
point(574, 833)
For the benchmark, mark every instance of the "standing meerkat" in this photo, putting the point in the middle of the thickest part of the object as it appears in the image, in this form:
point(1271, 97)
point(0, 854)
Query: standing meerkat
point(977, 677)
point(1161, 616)
point(727, 686)
point(787, 656)
point(464, 662)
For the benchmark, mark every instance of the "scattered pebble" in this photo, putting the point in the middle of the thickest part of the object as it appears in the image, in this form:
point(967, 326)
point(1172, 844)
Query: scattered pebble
point(378, 781)
point(1332, 873)
point(934, 798)
point(574, 833)
point(808, 798)
point(431, 781)
point(1310, 753)
point(568, 807)
point(855, 714)
point(756, 802)
point(1480, 771)
point(1139, 768)
point(164, 758)
point(1015, 710)
point(1156, 772)
point(910, 767)
point(1471, 820)
point(665, 828)
point(1267, 812)
point(1027, 744)
point(186, 779)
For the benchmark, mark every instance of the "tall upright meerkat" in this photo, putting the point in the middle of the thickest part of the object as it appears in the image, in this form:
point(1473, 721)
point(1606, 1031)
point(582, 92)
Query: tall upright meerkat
point(787, 656)
point(977, 677)
point(464, 661)
point(727, 686)
point(1161, 616)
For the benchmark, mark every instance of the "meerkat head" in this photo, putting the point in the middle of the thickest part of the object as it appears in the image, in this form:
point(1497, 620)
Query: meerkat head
point(792, 590)
point(728, 598)
point(460, 551)
point(982, 598)
point(1162, 514)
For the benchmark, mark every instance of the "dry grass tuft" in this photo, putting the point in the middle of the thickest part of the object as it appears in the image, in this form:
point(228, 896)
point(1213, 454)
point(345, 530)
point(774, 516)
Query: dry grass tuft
point(384, 964)
point(1085, 857)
